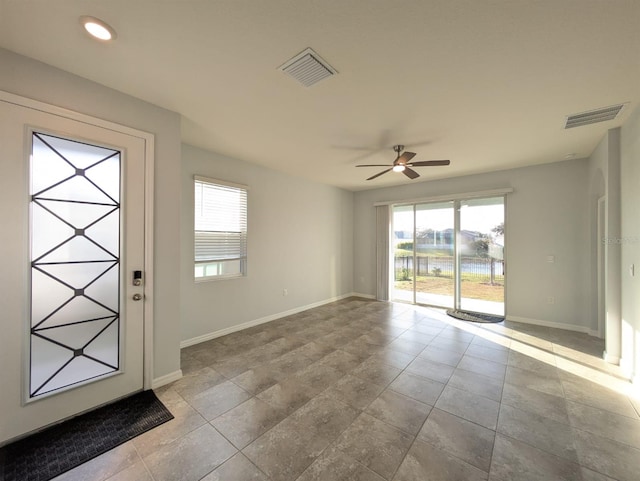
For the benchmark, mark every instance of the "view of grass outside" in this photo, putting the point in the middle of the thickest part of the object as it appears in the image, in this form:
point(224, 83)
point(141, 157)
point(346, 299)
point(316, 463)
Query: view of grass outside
point(474, 289)
point(435, 275)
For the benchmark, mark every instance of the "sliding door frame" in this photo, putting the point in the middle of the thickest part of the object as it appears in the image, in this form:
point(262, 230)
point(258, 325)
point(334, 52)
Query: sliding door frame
point(457, 200)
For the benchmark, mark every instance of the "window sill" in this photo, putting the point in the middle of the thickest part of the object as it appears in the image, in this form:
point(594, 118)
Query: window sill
point(199, 280)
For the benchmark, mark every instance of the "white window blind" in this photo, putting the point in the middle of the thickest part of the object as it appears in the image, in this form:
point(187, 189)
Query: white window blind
point(220, 228)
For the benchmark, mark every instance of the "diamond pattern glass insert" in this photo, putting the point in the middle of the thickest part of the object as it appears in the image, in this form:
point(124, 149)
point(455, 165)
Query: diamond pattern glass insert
point(75, 263)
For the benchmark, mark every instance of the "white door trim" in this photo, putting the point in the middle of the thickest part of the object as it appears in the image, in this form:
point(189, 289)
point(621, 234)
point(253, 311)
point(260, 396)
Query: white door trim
point(149, 157)
point(601, 266)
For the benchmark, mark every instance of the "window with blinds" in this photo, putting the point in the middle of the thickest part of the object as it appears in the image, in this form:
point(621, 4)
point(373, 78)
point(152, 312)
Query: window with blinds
point(220, 229)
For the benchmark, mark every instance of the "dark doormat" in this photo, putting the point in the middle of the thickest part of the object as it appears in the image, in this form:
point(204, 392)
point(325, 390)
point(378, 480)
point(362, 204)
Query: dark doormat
point(473, 316)
point(51, 452)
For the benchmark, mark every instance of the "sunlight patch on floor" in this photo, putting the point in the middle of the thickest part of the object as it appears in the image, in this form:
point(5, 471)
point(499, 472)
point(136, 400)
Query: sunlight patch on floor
point(525, 341)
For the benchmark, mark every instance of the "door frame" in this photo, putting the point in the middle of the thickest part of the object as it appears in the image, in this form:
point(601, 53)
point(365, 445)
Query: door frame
point(601, 264)
point(149, 156)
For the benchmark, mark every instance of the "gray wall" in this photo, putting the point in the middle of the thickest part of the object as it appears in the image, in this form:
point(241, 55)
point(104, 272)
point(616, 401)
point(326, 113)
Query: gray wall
point(26, 77)
point(630, 195)
point(300, 238)
point(546, 215)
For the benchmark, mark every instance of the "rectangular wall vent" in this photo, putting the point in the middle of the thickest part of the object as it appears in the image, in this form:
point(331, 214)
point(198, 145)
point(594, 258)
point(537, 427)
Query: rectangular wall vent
point(308, 68)
point(593, 116)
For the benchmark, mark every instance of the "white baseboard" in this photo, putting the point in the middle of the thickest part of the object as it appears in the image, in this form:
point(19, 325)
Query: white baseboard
point(626, 367)
point(166, 379)
point(556, 325)
point(262, 320)
point(365, 296)
point(610, 358)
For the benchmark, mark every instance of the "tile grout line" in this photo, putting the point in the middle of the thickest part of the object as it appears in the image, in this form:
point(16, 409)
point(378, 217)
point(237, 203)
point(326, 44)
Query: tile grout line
point(143, 463)
point(495, 434)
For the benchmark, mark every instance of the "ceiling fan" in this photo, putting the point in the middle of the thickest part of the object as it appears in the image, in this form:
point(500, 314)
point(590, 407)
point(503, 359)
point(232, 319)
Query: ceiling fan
point(403, 164)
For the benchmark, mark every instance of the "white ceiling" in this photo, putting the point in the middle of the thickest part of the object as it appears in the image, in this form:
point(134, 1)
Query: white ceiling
point(484, 83)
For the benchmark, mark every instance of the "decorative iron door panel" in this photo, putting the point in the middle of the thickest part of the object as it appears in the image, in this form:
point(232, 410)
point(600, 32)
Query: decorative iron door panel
point(75, 262)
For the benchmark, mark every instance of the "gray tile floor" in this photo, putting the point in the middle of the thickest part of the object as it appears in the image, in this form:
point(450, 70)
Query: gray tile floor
point(368, 391)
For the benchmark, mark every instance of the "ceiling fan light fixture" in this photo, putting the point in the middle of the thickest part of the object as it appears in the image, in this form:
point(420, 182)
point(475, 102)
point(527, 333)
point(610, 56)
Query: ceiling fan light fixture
point(404, 164)
point(98, 29)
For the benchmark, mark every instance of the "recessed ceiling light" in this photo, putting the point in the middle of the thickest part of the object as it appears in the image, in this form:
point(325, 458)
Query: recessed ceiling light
point(97, 28)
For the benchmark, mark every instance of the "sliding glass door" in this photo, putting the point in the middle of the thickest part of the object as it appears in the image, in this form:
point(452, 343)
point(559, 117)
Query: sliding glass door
point(450, 254)
point(402, 253)
point(481, 255)
point(435, 242)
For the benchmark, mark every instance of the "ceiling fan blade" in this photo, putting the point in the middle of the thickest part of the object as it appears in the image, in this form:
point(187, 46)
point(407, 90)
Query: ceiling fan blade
point(379, 174)
point(404, 158)
point(426, 163)
point(412, 174)
point(374, 165)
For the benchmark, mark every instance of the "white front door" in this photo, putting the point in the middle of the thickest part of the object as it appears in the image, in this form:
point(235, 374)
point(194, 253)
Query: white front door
point(72, 227)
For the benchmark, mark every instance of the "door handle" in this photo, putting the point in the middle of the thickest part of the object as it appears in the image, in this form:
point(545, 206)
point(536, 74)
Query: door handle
point(137, 297)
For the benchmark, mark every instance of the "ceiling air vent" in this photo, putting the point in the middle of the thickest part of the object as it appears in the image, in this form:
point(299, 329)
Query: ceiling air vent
point(593, 116)
point(308, 68)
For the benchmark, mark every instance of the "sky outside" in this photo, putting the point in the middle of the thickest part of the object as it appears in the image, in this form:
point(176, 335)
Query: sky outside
point(480, 218)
